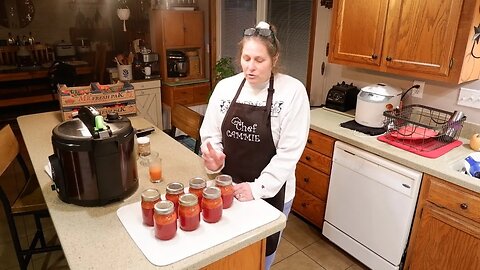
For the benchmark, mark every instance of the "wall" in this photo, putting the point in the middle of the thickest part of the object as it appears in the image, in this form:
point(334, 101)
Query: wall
point(437, 95)
point(53, 19)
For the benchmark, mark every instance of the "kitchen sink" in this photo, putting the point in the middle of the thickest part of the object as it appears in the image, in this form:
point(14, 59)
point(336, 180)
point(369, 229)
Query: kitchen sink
point(459, 165)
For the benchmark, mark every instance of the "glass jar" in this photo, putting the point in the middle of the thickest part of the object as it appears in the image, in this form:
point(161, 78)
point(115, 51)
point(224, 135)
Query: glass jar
point(224, 183)
point(143, 146)
point(212, 204)
point(188, 212)
point(196, 186)
point(174, 190)
point(149, 198)
point(165, 219)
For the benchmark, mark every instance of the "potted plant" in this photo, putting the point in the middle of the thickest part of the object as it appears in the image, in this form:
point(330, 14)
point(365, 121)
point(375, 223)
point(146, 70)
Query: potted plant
point(224, 68)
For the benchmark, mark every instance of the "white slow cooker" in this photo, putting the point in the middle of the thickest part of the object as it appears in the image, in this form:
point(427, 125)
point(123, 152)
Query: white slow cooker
point(372, 101)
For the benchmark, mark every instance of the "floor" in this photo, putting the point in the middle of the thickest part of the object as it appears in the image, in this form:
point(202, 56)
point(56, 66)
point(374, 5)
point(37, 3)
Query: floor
point(302, 246)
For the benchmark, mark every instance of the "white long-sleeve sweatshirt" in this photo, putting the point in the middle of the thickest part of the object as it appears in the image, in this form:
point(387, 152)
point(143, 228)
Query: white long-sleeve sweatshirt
point(290, 122)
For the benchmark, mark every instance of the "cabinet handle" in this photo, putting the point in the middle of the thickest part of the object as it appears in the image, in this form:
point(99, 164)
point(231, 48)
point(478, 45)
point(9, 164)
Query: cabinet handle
point(464, 206)
point(323, 68)
point(374, 56)
point(388, 58)
point(308, 158)
point(304, 205)
point(309, 140)
point(306, 180)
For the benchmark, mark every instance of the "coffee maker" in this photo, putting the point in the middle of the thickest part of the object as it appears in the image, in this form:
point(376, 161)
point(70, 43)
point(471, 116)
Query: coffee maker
point(145, 65)
point(177, 64)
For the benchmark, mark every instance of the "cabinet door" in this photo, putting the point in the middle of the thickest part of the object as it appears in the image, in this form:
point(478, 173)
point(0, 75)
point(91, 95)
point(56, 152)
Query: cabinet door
point(358, 31)
point(173, 28)
point(445, 241)
point(193, 23)
point(148, 102)
point(420, 35)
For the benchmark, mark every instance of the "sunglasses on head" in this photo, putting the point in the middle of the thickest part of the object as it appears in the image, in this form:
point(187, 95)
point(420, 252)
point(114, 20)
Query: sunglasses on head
point(257, 31)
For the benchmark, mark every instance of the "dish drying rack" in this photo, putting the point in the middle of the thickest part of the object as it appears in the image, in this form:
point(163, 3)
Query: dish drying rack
point(422, 128)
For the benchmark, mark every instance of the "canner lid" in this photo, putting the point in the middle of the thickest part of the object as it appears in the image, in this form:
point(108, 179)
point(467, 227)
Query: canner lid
point(76, 130)
point(382, 89)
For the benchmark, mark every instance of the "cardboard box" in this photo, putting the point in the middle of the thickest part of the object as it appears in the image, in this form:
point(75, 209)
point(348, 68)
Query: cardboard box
point(119, 97)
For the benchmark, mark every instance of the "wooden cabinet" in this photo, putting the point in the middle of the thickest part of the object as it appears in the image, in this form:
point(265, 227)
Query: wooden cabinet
point(313, 176)
point(186, 94)
point(172, 30)
point(424, 39)
point(446, 231)
point(249, 258)
point(185, 28)
point(149, 101)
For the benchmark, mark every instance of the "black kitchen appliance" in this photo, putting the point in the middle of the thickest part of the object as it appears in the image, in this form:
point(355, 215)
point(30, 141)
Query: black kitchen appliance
point(94, 162)
point(177, 64)
point(342, 97)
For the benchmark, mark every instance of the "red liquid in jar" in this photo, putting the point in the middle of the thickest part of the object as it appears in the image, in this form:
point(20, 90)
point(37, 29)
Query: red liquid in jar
point(212, 215)
point(227, 195)
point(189, 217)
point(147, 212)
point(165, 226)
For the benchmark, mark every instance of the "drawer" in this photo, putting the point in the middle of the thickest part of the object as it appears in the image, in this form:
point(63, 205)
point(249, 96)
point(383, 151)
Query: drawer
point(312, 180)
point(146, 84)
point(320, 143)
point(309, 206)
point(316, 160)
point(183, 96)
point(200, 95)
point(454, 198)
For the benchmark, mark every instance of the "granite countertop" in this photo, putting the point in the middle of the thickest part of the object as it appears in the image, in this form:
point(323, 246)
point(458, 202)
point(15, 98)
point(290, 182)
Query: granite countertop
point(93, 237)
point(444, 167)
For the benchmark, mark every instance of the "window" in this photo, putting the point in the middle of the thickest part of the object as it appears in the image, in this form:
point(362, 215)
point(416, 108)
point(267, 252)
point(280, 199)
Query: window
point(291, 18)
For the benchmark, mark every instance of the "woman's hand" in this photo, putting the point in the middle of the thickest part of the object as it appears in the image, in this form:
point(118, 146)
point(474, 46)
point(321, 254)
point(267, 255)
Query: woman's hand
point(212, 158)
point(242, 192)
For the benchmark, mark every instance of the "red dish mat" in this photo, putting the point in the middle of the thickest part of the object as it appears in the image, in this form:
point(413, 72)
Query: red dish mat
point(429, 154)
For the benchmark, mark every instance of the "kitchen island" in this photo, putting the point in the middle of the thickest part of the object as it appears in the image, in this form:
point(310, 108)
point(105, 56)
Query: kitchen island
point(94, 238)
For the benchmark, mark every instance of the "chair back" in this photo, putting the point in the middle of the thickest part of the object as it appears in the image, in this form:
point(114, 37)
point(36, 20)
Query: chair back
point(41, 54)
point(9, 148)
point(8, 55)
point(188, 121)
point(100, 62)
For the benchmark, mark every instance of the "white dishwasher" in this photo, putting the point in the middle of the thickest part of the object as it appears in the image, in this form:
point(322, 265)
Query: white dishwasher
point(370, 206)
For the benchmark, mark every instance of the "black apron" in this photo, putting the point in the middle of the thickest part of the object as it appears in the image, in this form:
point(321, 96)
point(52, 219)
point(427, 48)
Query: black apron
point(249, 147)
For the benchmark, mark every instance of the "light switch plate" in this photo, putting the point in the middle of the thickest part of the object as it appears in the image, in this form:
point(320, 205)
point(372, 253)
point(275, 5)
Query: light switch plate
point(469, 98)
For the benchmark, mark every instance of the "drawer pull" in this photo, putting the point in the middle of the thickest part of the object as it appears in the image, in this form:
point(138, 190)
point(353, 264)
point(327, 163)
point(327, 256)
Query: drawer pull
point(464, 206)
point(308, 158)
point(306, 180)
point(309, 140)
point(304, 205)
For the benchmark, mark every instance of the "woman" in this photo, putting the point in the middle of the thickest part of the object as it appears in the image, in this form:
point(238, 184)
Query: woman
point(256, 126)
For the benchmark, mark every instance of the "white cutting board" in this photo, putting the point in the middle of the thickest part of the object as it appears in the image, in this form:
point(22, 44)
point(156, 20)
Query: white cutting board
point(240, 218)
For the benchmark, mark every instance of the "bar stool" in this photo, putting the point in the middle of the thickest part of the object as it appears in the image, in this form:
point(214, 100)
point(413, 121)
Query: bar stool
point(188, 121)
point(27, 201)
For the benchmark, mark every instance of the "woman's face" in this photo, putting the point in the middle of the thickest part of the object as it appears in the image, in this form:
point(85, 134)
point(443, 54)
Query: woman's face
point(256, 62)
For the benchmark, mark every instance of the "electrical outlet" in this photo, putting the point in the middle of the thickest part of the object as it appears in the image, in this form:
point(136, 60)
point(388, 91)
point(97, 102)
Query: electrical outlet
point(418, 92)
point(469, 98)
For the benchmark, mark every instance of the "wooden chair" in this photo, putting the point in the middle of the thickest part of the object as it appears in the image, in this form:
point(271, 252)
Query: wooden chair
point(25, 201)
point(188, 121)
point(8, 55)
point(100, 62)
point(40, 54)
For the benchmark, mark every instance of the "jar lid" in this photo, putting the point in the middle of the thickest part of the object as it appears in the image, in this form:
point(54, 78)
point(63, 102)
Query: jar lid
point(212, 193)
point(175, 188)
point(150, 194)
point(164, 207)
point(188, 199)
point(143, 140)
point(223, 180)
point(197, 183)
